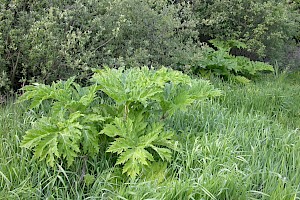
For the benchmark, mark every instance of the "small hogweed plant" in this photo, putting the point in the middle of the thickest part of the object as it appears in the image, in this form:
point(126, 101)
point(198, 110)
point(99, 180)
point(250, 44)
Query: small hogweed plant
point(127, 105)
point(221, 62)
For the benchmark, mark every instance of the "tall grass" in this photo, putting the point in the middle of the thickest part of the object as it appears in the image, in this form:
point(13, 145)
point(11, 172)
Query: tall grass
point(244, 145)
point(274, 97)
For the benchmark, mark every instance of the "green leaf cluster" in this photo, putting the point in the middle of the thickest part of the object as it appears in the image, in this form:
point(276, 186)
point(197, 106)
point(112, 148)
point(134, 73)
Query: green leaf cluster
point(127, 105)
point(145, 97)
point(134, 138)
point(69, 127)
point(221, 62)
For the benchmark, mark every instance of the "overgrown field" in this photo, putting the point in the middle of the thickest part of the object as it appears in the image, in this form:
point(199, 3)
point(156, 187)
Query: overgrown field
point(244, 144)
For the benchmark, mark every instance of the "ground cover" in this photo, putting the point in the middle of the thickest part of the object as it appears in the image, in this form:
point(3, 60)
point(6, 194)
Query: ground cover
point(244, 144)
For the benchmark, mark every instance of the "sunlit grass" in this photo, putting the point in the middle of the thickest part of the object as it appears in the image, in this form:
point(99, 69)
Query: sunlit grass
point(243, 145)
point(274, 97)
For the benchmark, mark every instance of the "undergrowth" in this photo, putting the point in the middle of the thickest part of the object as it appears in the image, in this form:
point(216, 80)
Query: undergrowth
point(243, 145)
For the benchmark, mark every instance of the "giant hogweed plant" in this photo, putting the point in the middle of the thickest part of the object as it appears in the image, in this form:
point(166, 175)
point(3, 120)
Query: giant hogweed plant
point(69, 127)
point(221, 62)
point(138, 101)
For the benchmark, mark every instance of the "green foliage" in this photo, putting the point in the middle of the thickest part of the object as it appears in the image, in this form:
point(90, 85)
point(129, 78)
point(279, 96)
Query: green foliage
point(272, 97)
point(153, 33)
point(70, 128)
point(137, 101)
point(265, 26)
point(295, 4)
point(52, 138)
point(133, 138)
point(44, 41)
point(138, 85)
point(221, 62)
point(89, 179)
point(142, 95)
point(4, 82)
point(242, 145)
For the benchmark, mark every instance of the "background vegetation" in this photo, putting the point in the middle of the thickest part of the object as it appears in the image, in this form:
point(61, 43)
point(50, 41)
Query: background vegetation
point(243, 145)
point(265, 26)
point(124, 131)
point(49, 40)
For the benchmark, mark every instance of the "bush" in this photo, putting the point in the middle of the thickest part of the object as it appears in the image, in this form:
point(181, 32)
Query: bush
point(265, 26)
point(140, 99)
point(49, 40)
point(44, 41)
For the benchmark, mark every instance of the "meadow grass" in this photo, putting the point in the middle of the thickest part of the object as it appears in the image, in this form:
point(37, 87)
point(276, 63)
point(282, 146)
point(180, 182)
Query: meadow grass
point(242, 145)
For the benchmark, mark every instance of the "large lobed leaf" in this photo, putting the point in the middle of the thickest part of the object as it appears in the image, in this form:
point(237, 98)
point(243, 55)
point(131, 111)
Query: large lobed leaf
point(137, 85)
point(133, 143)
point(182, 96)
point(62, 94)
point(53, 139)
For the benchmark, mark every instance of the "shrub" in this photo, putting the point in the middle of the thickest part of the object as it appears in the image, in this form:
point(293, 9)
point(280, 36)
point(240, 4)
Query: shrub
point(48, 40)
point(132, 117)
point(45, 41)
point(265, 26)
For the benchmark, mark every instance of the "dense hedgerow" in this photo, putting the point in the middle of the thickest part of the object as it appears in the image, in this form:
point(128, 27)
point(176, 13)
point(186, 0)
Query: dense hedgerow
point(265, 26)
point(50, 40)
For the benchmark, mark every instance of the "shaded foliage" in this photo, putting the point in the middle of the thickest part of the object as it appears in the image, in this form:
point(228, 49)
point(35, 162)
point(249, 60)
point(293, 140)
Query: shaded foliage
point(49, 40)
point(265, 26)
